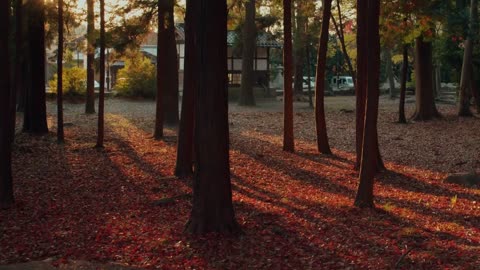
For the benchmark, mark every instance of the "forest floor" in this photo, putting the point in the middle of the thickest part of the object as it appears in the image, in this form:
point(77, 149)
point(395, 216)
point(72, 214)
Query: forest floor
point(74, 202)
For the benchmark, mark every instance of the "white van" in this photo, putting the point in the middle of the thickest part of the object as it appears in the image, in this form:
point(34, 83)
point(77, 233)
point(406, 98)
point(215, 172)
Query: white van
point(342, 84)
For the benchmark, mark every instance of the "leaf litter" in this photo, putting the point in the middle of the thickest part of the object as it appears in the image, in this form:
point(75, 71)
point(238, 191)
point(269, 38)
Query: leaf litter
point(121, 205)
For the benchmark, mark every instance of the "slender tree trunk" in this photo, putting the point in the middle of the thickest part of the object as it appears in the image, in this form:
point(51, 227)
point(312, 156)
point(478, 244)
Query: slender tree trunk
point(368, 167)
point(212, 209)
point(464, 101)
point(309, 75)
point(389, 67)
point(159, 110)
point(170, 75)
point(341, 37)
point(90, 102)
point(288, 141)
point(298, 50)
point(425, 101)
point(35, 116)
point(475, 92)
point(60, 133)
point(6, 184)
point(248, 52)
point(403, 87)
point(362, 85)
point(320, 123)
point(184, 162)
point(101, 95)
point(434, 82)
point(167, 70)
point(17, 67)
point(20, 65)
point(438, 80)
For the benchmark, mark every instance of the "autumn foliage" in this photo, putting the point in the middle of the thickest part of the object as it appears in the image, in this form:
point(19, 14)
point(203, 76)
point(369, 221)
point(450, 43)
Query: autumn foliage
point(122, 204)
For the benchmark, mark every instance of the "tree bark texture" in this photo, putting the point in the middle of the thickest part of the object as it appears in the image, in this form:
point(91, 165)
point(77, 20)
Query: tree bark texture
point(212, 193)
point(299, 47)
point(438, 80)
point(248, 54)
point(60, 132)
point(309, 75)
point(169, 61)
point(475, 93)
point(425, 101)
point(6, 184)
point(369, 162)
point(362, 84)
point(159, 110)
point(101, 95)
point(90, 101)
point(320, 122)
point(340, 34)
point(35, 116)
point(389, 68)
point(184, 161)
point(403, 86)
point(467, 72)
point(167, 70)
point(288, 140)
point(20, 55)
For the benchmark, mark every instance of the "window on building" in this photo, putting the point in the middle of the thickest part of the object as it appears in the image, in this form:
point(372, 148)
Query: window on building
point(237, 64)
point(262, 64)
point(235, 78)
point(262, 52)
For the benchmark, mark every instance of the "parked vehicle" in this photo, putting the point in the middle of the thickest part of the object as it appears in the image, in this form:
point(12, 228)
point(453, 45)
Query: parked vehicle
point(304, 85)
point(342, 84)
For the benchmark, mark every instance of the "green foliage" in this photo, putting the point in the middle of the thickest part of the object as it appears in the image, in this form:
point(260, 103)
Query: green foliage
point(74, 82)
point(137, 79)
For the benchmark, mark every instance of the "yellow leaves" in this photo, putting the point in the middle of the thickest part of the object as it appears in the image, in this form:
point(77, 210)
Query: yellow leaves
point(453, 201)
point(409, 232)
point(388, 207)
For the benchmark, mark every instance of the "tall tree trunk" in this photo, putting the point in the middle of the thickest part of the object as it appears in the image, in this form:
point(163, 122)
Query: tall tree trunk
point(184, 162)
point(35, 116)
point(475, 92)
point(309, 75)
point(90, 102)
point(320, 123)
point(101, 95)
point(299, 45)
point(403, 86)
point(389, 67)
point(434, 82)
point(6, 184)
point(20, 55)
point(159, 110)
point(17, 89)
point(170, 77)
point(464, 101)
point(212, 209)
point(438, 79)
point(425, 101)
point(248, 54)
point(60, 133)
point(368, 167)
point(340, 34)
point(288, 141)
point(167, 70)
point(362, 84)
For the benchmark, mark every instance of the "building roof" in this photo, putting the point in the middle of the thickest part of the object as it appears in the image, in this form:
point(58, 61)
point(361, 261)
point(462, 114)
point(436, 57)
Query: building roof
point(264, 39)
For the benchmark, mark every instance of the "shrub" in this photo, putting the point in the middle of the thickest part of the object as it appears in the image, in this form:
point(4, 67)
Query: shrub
point(74, 82)
point(137, 78)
